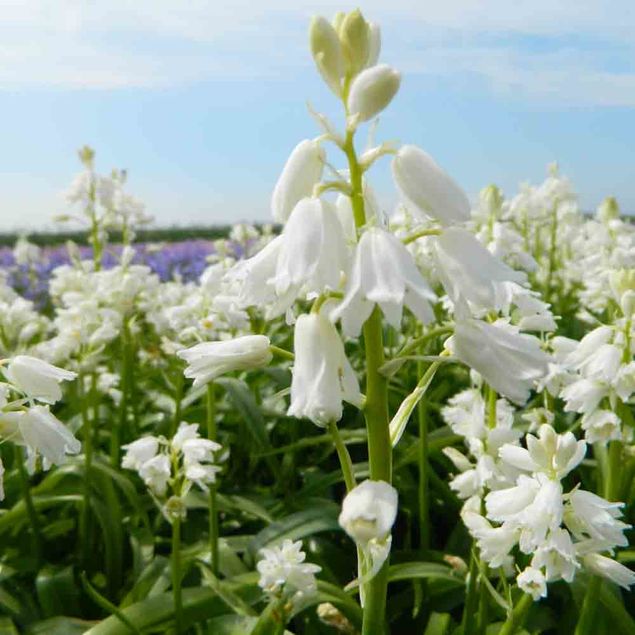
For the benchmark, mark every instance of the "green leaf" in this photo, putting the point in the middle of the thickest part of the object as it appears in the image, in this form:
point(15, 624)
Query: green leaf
point(7, 627)
point(438, 624)
point(321, 517)
point(62, 626)
point(418, 570)
point(234, 625)
point(57, 592)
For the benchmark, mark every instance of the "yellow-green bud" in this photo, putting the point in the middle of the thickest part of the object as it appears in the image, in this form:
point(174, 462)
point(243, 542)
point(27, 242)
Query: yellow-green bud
point(327, 52)
point(622, 282)
point(86, 156)
point(372, 90)
point(492, 198)
point(608, 210)
point(355, 37)
point(338, 18)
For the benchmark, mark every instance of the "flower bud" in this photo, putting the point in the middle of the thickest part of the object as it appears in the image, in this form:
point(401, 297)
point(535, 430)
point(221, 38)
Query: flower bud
point(608, 210)
point(327, 52)
point(622, 283)
point(355, 37)
point(372, 90)
point(301, 172)
point(369, 511)
point(374, 44)
point(429, 188)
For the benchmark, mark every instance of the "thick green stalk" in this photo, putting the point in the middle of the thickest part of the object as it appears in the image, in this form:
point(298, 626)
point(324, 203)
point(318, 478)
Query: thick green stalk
point(516, 618)
point(30, 507)
point(213, 511)
point(375, 410)
point(176, 574)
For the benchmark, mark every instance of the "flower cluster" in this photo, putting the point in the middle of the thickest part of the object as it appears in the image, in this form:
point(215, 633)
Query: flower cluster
point(169, 468)
point(562, 531)
point(31, 382)
point(285, 574)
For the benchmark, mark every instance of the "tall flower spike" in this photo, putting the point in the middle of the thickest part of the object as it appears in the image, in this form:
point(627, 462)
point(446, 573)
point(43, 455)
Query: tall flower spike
point(322, 375)
point(384, 273)
point(429, 188)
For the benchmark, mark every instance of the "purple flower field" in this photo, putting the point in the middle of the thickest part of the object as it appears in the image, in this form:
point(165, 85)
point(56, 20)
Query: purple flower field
point(184, 260)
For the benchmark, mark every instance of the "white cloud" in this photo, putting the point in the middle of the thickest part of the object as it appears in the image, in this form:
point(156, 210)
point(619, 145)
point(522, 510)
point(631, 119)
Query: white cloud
point(109, 44)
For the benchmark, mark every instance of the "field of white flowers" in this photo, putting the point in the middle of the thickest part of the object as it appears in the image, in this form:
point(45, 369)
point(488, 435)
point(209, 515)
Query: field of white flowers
point(417, 422)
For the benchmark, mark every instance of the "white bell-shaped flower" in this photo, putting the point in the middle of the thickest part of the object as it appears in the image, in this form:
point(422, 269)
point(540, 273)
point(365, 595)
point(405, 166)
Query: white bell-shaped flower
point(37, 379)
point(41, 432)
point(313, 254)
point(609, 569)
point(139, 451)
point(322, 375)
point(430, 189)
point(301, 172)
point(209, 360)
point(509, 361)
point(470, 273)
point(384, 273)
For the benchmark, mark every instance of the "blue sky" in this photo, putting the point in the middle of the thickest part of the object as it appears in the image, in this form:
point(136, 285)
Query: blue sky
point(202, 101)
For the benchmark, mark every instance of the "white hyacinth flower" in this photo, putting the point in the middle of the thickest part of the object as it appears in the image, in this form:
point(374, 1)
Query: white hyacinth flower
point(156, 473)
point(384, 273)
point(37, 379)
point(372, 90)
point(284, 572)
point(533, 582)
point(313, 253)
point(209, 360)
point(470, 273)
point(300, 174)
point(609, 569)
point(138, 452)
point(41, 432)
point(322, 376)
point(511, 362)
point(431, 190)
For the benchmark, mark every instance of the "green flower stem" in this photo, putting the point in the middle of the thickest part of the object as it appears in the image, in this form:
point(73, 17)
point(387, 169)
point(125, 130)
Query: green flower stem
point(413, 345)
point(516, 618)
point(375, 410)
point(344, 456)
point(423, 489)
point(87, 438)
point(281, 352)
point(176, 574)
point(30, 507)
point(213, 508)
point(420, 234)
point(178, 398)
point(468, 622)
point(613, 472)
